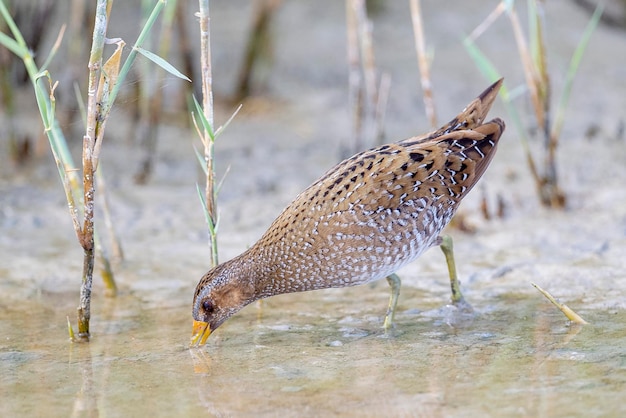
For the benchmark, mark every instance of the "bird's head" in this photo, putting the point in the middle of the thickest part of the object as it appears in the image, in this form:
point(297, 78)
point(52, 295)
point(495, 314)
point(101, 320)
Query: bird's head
point(220, 294)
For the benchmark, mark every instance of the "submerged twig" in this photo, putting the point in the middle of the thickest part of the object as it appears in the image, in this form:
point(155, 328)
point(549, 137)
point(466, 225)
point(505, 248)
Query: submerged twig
point(567, 311)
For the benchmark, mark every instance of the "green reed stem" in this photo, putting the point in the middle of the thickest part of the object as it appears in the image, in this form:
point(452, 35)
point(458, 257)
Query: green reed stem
point(100, 101)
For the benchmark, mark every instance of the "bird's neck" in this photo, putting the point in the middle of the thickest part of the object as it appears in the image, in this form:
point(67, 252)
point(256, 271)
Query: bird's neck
point(272, 275)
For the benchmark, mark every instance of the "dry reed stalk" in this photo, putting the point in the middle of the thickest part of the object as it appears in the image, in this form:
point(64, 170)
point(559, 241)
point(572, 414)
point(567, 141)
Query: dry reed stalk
point(151, 100)
point(538, 84)
point(116, 244)
point(381, 107)
point(422, 62)
point(368, 64)
point(368, 107)
point(184, 46)
point(355, 89)
point(535, 68)
point(106, 271)
point(78, 14)
point(91, 149)
point(258, 39)
point(205, 60)
point(484, 25)
point(207, 137)
point(531, 72)
point(79, 29)
point(368, 61)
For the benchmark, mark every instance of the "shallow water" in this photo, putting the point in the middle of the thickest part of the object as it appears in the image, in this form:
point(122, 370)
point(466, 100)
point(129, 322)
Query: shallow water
point(324, 353)
point(303, 355)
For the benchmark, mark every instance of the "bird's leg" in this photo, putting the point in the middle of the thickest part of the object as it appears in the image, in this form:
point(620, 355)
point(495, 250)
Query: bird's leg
point(259, 310)
point(445, 242)
point(394, 283)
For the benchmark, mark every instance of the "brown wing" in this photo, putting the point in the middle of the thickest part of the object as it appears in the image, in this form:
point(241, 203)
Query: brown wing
point(444, 164)
point(388, 176)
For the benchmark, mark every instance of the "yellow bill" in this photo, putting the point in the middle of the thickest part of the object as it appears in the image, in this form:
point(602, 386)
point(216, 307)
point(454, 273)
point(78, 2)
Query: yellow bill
point(200, 333)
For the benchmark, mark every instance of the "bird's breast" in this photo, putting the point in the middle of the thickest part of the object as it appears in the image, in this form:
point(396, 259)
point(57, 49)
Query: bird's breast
point(353, 246)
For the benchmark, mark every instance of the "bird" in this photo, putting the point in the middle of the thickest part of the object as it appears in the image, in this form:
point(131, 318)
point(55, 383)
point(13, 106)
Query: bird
point(361, 221)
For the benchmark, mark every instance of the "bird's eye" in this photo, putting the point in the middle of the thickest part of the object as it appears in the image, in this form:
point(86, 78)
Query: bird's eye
point(207, 306)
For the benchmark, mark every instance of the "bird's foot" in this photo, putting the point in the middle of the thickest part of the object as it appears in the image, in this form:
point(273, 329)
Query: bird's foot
point(462, 305)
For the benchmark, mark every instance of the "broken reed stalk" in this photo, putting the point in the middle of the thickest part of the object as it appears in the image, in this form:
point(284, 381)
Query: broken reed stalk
point(566, 310)
point(422, 62)
point(208, 136)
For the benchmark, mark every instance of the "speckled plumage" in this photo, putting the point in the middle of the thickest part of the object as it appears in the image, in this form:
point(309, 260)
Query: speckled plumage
point(361, 221)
